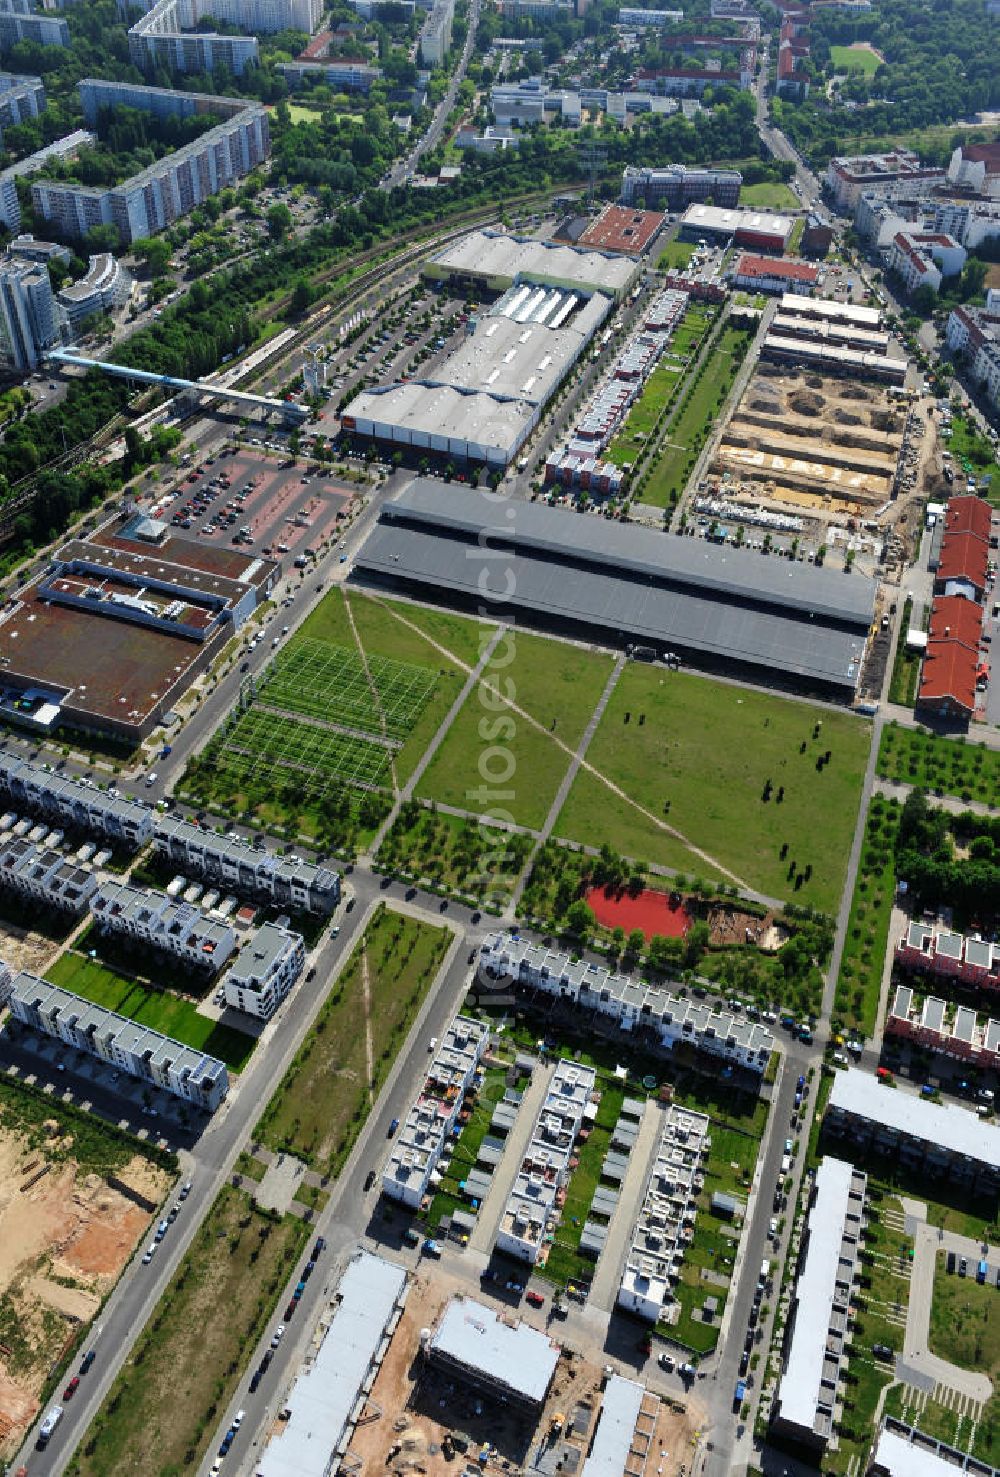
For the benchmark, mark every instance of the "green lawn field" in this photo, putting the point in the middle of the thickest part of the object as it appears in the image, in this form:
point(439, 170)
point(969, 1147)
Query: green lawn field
point(696, 413)
point(156, 1008)
point(849, 59)
point(770, 195)
point(676, 254)
point(558, 685)
point(700, 761)
point(627, 446)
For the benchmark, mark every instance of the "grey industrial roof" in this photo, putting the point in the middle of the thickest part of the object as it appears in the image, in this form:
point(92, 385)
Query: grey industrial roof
point(442, 410)
point(615, 1429)
point(658, 587)
point(519, 1357)
point(952, 1128)
point(802, 1382)
point(716, 218)
point(495, 254)
point(520, 360)
point(322, 1398)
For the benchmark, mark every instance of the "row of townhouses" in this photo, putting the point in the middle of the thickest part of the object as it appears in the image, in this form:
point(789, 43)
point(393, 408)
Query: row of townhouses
point(817, 1333)
point(75, 802)
point(939, 1141)
point(156, 921)
point(427, 1127)
point(926, 948)
point(135, 1049)
point(665, 1223)
point(45, 876)
point(629, 1003)
point(531, 1211)
point(285, 881)
point(954, 1030)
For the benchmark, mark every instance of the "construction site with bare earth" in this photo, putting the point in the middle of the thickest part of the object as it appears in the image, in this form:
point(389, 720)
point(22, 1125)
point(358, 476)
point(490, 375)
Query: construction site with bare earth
point(69, 1222)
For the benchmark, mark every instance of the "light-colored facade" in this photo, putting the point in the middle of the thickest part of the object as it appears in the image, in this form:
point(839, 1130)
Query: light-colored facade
point(74, 802)
point(341, 76)
point(427, 1127)
point(531, 1209)
point(169, 35)
point(817, 1332)
point(106, 286)
point(628, 15)
point(630, 1004)
point(45, 876)
point(925, 258)
point(265, 971)
point(30, 317)
point(21, 98)
point(42, 30)
point(665, 1223)
point(435, 34)
point(975, 333)
point(156, 921)
point(848, 177)
point(285, 881)
point(60, 148)
point(171, 188)
point(137, 1050)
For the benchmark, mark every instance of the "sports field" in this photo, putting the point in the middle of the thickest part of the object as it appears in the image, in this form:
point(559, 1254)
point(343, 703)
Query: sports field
point(697, 755)
point(491, 744)
point(158, 1009)
point(859, 58)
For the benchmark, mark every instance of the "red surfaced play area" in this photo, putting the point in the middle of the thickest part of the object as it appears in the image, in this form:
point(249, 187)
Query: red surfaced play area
point(648, 910)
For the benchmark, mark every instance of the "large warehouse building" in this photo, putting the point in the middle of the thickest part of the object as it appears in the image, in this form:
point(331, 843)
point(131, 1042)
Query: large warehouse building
point(496, 260)
point(721, 609)
point(759, 230)
point(484, 400)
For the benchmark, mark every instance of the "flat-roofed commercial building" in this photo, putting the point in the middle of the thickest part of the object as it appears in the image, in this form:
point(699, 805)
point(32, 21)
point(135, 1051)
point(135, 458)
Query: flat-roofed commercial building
point(75, 803)
point(665, 1223)
point(486, 397)
point(531, 1210)
point(285, 881)
point(157, 922)
point(757, 229)
point(666, 1021)
point(942, 1141)
point(425, 1130)
point(265, 971)
point(797, 348)
point(508, 1361)
point(817, 1330)
point(45, 876)
point(617, 583)
point(497, 260)
point(135, 1049)
point(770, 274)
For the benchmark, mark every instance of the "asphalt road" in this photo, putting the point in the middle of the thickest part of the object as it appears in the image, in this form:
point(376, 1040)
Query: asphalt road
point(210, 1160)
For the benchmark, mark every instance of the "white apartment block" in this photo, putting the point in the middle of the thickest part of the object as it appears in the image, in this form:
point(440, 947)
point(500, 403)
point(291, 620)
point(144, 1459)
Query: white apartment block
point(21, 98)
point(45, 876)
point(632, 1005)
point(638, 19)
point(435, 35)
point(286, 881)
point(847, 178)
point(168, 34)
point(158, 922)
point(75, 803)
point(137, 1050)
point(975, 333)
point(426, 1129)
point(817, 1331)
point(665, 1223)
point(531, 1211)
point(265, 971)
point(925, 258)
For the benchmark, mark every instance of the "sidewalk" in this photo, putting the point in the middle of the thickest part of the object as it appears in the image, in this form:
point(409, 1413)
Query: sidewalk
point(493, 1206)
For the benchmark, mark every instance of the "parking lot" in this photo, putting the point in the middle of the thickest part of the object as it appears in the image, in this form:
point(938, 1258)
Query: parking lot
point(249, 501)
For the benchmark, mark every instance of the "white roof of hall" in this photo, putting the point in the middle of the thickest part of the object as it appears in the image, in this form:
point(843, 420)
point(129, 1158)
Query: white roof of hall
point(495, 254)
point(953, 1128)
point(440, 410)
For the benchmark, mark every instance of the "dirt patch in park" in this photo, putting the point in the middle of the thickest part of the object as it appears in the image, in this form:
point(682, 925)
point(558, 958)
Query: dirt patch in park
point(64, 1237)
point(20, 948)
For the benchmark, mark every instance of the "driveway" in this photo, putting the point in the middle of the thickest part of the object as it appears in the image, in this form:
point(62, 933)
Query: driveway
point(916, 1356)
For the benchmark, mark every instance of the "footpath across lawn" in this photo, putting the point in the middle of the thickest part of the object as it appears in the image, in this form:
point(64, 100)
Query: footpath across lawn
point(158, 1009)
point(327, 1093)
